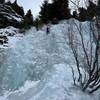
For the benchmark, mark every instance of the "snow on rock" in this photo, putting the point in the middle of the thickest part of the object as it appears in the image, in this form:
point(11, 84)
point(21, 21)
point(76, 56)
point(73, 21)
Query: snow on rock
point(9, 36)
point(9, 31)
point(12, 41)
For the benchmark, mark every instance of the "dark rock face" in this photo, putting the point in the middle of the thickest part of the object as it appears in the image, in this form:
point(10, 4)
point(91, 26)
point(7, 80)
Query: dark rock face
point(8, 17)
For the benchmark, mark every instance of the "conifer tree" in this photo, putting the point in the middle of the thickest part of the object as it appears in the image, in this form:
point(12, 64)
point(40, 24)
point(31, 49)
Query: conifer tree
point(57, 9)
point(8, 3)
point(91, 10)
point(19, 10)
point(61, 9)
point(28, 19)
point(98, 8)
point(75, 15)
point(44, 13)
point(2, 1)
point(82, 14)
point(98, 2)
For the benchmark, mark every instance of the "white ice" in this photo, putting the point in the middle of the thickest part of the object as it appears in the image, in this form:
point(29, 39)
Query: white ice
point(44, 59)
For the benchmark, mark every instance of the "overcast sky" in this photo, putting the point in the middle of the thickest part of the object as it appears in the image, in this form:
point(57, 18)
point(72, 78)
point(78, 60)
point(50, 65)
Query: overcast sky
point(34, 5)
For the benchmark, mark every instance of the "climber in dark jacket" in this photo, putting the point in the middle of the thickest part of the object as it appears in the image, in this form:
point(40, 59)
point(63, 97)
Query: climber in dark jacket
point(48, 29)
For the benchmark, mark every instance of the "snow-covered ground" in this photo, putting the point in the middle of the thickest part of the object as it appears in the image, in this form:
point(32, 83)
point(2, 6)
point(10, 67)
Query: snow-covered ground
point(37, 67)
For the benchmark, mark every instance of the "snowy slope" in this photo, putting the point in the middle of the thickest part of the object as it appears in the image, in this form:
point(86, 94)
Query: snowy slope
point(44, 59)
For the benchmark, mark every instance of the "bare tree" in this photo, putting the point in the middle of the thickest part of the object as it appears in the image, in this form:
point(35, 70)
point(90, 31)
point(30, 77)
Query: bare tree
point(86, 52)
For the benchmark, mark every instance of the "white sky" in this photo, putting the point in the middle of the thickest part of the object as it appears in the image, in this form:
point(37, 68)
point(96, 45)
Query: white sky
point(34, 5)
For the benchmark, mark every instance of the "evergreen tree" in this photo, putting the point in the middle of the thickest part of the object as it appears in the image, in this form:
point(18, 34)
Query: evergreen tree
point(91, 10)
point(82, 14)
point(60, 9)
point(57, 9)
point(2, 1)
point(28, 19)
point(8, 3)
point(75, 15)
point(19, 10)
point(99, 3)
point(44, 13)
point(98, 8)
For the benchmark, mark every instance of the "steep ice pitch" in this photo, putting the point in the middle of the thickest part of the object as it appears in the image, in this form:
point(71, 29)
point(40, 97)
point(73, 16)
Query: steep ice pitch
point(51, 57)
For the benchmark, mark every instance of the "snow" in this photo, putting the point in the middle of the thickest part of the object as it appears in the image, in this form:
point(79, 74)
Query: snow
point(13, 40)
point(22, 90)
point(57, 85)
point(41, 64)
point(9, 30)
